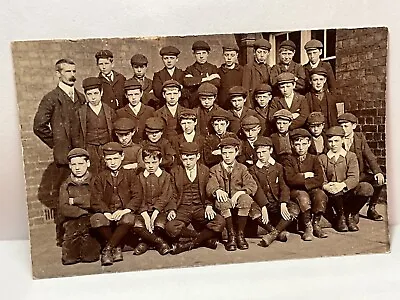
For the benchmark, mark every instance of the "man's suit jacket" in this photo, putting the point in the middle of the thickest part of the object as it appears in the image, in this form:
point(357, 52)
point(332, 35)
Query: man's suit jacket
point(367, 161)
point(113, 91)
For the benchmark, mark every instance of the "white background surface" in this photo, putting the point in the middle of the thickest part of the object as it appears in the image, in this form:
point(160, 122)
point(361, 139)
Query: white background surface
point(361, 277)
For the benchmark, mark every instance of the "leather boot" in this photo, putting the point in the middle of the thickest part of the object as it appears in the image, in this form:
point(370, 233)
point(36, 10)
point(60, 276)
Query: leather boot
point(268, 227)
point(241, 241)
point(341, 223)
point(231, 242)
point(211, 243)
point(107, 256)
point(140, 249)
point(373, 214)
point(317, 230)
point(283, 236)
point(181, 247)
point(351, 223)
point(117, 254)
point(268, 239)
point(161, 246)
point(308, 229)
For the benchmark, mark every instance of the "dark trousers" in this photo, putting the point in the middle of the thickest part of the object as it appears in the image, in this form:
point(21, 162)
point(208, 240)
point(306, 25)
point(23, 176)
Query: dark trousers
point(347, 203)
point(314, 200)
point(377, 188)
point(62, 174)
point(97, 163)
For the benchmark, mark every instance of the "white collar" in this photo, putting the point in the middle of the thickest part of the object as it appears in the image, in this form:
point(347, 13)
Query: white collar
point(251, 143)
point(96, 109)
point(341, 152)
point(350, 137)
point(189, 137)
point(106, 76)
point(194, 170)
point(172, 109)
point(171, 71)
point(259, 164)
point(136, 108)
point(66, 88)
point(158, 173)
point(290, 97)
point(226, 166)
point(239, 112)
point(314, 65)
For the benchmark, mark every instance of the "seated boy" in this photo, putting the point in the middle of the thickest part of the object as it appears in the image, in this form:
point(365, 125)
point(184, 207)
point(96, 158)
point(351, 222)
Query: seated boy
point(115, 198)
point(78, 245)
point(263, 96)
point(281, 139)
point(135, 110)
point(341, 179)
point(272, 208)
point(251, 128)
point(290, 100)
point(112, 81)
point(231, 73)
point(232, 186)
point(304, 176)
point(139, 64)
point(157, 192)
point(319, 143)
point(370, 171)
point(191, 205)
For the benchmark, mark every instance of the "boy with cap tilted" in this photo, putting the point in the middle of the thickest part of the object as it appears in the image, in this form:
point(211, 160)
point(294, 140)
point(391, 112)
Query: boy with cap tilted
point(191, 205)
point(116, 197)
point(139, 64)
point(112, 81)
point(272, 208)
point(74, 202)
point(262, 97)
point(251, 128)
point(319, 143)
point(232, 186)
point(304, 176)
point(201, 71)
point(281, 140)
point(371, 174)
point(135, 110)
point(231, 73)
point(287, 65)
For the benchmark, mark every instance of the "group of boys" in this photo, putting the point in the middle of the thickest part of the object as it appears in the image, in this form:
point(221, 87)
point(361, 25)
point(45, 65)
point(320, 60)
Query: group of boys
point(213, 148)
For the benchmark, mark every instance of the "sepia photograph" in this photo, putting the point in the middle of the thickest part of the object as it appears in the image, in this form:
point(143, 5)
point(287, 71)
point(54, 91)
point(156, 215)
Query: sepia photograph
point(145, 153)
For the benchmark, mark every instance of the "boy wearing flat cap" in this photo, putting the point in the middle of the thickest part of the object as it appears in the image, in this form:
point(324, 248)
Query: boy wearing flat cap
point(290, 100)
point(319, 142)
point(281, 140)
point(191, 205)
point(262, 98)
point(304, 176)
point(257, 71)
point(201, 71)
point(371, 174)
point(112, 81)
point(272, 208)
point(286, 64)
point(116, 197)
point(314, 51)
point(231, 73)
point(74, 204)
point(232, 186)
point(139, 64)
point(251, 128)
point(135, 110)
point(341, 178)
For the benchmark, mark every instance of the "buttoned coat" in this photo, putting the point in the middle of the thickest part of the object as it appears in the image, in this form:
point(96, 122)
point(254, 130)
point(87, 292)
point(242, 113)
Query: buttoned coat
point(313, 149)
point(114, 90)
point(229, 78)
point(172, 126)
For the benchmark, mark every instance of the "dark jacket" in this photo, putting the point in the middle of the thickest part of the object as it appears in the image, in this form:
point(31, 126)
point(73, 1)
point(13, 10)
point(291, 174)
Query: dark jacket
point(113, 91)
point(148, 95)
point(211, 143)
point(229, 78)
point(294, 68)
point(367, 161)
point(331, 80)
point(203, 119)
point(168, 152)
point(255, 74)
point(161, 76)
point(198, 139)
point(172, 126)
point(280, 152)
point(329, 101)
point(313, 149)
point(247, 153)
point(262, 114)
point(235, 125)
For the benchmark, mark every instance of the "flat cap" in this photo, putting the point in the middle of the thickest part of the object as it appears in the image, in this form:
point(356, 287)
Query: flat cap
point(237, 91)
point(77, 152)
point(169, 50)
point(319, 70)
point(313, 44)
point(91, 83)
point(207, 89)
point(315, 118)
point(347, 117)
point(150, 147)
point(219, 114)
point(132, 84)
point(263, 44)
point(250, 122)
point(139, 60)
point(230, 47)
point(189, 148)
point(154, 124)
point(287, 45)
point(335, 131)
point(286, 77)
point(229, 141)
point(262, 88)
point(187, 113)
point(112, 148)
point(283, 114)
point(171, 83)
point(200, 45)
point(103, 54)
point(299, 132)
point(263, 141)
point(124, 125)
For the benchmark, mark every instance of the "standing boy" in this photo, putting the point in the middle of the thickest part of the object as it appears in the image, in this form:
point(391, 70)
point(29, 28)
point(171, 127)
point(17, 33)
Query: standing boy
point(251, 128)
point(281, 139)
point(139, 64)
point(263, 96)
point(319, 142)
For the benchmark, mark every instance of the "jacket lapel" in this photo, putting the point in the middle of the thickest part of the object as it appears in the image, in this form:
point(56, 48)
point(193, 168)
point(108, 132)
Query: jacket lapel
point(82, 118)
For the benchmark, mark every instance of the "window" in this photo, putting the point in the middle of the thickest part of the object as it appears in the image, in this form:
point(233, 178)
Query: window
point(328, 39)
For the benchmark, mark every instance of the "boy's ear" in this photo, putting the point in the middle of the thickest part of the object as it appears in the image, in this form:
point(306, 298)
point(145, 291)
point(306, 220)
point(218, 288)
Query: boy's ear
point(198, 156)
point(160, 160)
point(88, 163)
point(122, 156)
point(354, 126)
point(294, 84)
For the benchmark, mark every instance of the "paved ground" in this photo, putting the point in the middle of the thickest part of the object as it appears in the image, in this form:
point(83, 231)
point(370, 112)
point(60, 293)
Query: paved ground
point(372, 238)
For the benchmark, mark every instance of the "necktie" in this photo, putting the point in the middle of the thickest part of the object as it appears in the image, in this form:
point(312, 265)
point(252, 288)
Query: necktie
point(109, 78)
point(229, 169)
point(71, 94)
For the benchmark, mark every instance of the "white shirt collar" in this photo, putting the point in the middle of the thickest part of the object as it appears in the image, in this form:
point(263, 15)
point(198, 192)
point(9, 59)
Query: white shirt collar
point(193, 171)
point(158, 173)
point(350, 137)
point(171, 71)
point(96, 109)
point(289, 100)
point(106, 77)
point(69, 90)
point(172, 109)
point(226, 166)
point(259, 164)
point(136, 108)
point(314, 65)
point(189, 137)
point(342, 152)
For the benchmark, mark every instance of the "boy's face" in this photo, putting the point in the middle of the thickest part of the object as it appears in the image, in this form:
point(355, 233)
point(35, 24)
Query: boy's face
point(172, 95)
point(170, 61)
point(238, 102)
point(335, 143)
point(67, 74)
point(301, 146)
point(316, 129)
point(139, 71)
point(207, 101)
point(230, 57)
point(317, 82)
point(252, 134)
point(105, 65)
point(93, 96)
point(313, 55)
point(134, 96)
point(201, 56)
point(114, 161)
point(151, 163)
point(220, 126)
point(188, 125)
point(348, 128)
point(154, 137)
point(79, 166)
point(229, 154)
point(125, 138)
point(286, 56)
point(287, 88)
point(189, 160)
point(283, 125)
point(261, 55)
point(263, 99)
point(264, 153)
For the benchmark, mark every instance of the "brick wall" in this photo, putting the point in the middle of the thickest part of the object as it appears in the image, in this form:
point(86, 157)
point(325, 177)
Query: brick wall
point(35, 76)
point(361, 74)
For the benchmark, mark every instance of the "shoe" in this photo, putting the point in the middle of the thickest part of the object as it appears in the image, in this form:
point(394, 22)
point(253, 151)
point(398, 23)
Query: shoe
point(140, 249)
point(117, 254)
point(352, 224)
point(341, 224)
point(283, 236)
point(162, 247)
point(268, 239)
point(181, 247)
point(373, 214)
point(231, 242)
point(107, 256)
point(308, 232)
point(356, 218)
point(211, 243)
point(67, 262)
point(317, 229)
point(241, 241)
